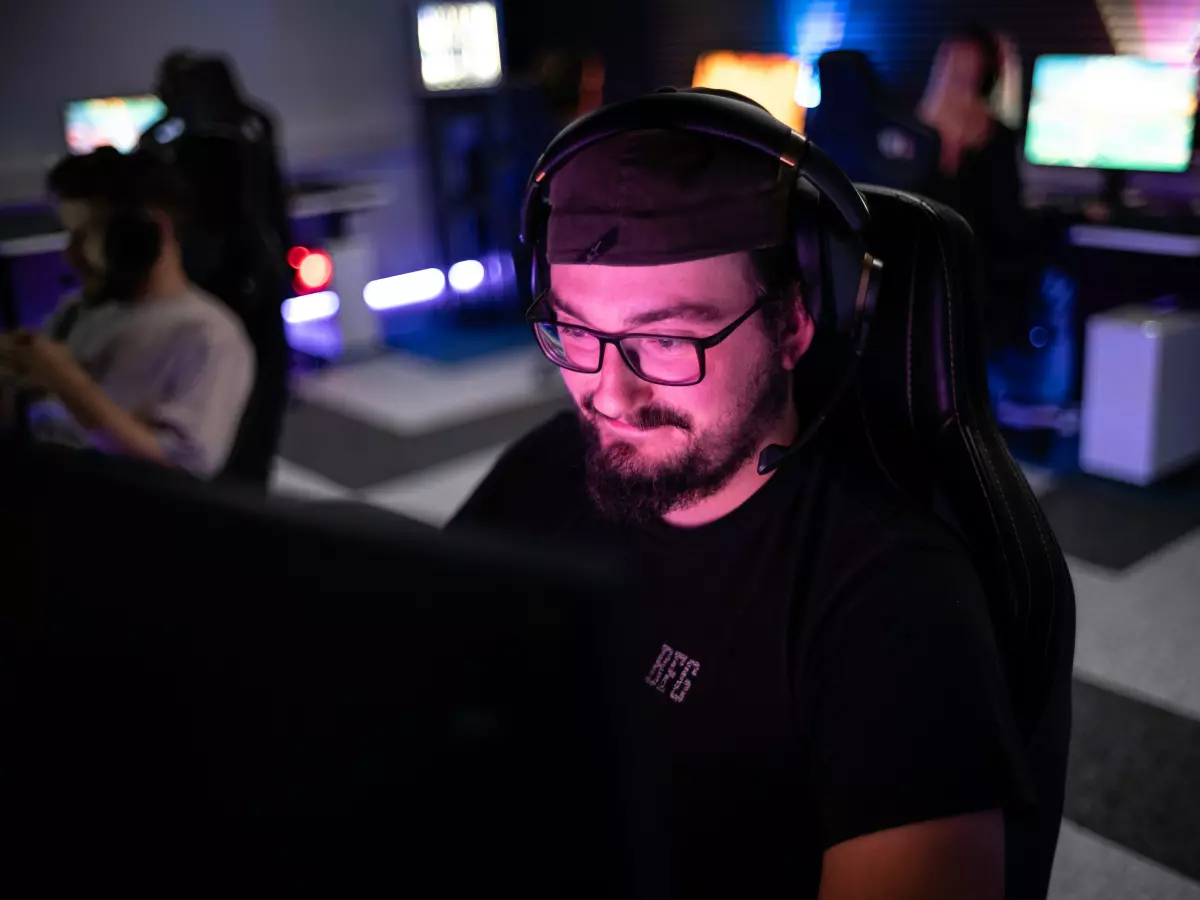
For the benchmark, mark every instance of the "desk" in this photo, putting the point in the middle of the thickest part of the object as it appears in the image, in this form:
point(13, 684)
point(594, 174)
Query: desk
point(1135, 240)
point(33, 232)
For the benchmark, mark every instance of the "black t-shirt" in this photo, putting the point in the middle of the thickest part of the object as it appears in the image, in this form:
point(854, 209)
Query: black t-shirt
point(820, 662)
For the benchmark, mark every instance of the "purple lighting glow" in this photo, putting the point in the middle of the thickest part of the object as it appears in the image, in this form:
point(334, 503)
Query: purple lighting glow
point(310, 307)
point(405, 290)
point(467, 275)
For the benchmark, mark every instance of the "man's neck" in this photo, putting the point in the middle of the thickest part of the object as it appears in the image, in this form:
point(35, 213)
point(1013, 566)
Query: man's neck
point(166, 281)
point(742, 486)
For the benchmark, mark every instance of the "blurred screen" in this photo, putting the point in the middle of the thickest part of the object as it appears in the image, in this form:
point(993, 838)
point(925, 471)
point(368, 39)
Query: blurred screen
point(1111, 112)
point(110, 122)
point(769, 78)
point(460, 46)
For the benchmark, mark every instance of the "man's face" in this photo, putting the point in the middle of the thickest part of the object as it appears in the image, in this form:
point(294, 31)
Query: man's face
point(85, 247)
point(652, 448)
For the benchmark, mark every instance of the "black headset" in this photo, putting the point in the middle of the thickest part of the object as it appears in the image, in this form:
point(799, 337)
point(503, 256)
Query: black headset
point(828, 213)
point(133, 241)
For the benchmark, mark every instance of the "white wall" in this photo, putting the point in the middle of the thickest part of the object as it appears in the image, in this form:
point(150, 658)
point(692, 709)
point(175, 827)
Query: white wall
point(339, 73)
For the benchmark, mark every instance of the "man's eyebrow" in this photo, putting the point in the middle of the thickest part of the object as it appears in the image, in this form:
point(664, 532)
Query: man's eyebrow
point(694, 310)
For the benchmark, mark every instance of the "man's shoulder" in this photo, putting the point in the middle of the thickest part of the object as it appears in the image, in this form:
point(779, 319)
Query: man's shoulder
point(201, 311)
point(536, 480)
point(867, 519)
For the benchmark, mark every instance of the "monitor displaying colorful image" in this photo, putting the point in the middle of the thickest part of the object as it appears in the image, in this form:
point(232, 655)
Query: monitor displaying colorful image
point(1111, 112)
point(460, 46)
point(116, 122)
point(768, 78)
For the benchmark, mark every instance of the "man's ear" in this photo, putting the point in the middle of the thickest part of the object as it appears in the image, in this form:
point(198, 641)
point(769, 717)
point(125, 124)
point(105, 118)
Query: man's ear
point(798, 331)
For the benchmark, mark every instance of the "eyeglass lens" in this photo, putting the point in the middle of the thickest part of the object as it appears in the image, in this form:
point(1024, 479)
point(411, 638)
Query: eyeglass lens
point(663, 359)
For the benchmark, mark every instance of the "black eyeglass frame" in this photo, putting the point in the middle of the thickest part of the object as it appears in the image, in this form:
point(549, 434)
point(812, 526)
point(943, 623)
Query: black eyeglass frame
point(700, 344)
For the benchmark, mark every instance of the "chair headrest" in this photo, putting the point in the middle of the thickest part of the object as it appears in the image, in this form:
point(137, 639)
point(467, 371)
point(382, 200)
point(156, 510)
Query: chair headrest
point(846, 75)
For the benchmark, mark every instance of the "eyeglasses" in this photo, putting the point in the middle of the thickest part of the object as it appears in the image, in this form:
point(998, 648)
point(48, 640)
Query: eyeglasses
point(664, 359)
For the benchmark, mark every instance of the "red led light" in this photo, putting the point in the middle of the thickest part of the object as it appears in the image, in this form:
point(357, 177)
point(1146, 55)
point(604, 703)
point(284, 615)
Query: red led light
point(315, 271)
point(296, 256)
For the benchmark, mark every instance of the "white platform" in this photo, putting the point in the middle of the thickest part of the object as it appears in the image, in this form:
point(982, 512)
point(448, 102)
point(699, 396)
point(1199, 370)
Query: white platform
point(1141, 408)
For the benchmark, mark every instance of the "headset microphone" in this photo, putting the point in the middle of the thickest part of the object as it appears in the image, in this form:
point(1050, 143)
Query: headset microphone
point(774, 454)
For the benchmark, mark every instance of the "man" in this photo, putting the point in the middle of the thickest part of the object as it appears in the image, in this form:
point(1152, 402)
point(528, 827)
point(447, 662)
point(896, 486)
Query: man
point(142, 363)
point(818, 653)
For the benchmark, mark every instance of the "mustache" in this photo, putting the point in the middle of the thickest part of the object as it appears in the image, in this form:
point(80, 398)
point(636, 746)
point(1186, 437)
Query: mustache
point(644, 417)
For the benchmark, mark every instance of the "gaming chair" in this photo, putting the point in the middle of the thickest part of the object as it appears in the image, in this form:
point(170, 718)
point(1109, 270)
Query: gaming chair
point(922, 409)
point(236, 250)
point(871, 138)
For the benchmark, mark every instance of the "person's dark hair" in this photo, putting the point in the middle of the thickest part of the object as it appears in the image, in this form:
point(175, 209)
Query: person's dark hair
point(989, 47)
point(111, 179)
point(779, 278)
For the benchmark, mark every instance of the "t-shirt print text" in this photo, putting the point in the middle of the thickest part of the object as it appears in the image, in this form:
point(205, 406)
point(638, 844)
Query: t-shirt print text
point(673, 671)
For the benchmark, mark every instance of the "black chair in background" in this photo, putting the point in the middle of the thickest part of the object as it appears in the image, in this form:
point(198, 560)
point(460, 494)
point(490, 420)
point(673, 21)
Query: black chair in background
point(923, 417)
point(236, 248)
point(871, 138)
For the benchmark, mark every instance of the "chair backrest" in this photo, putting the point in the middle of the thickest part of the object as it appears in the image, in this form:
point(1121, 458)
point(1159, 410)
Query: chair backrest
point(922, 401)
point(869, 136)
point(236, 249)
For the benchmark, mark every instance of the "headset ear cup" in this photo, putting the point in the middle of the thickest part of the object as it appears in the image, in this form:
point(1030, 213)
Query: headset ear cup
point(132, 244)
point(808, 255)
point(533, 272)
point(844, 255)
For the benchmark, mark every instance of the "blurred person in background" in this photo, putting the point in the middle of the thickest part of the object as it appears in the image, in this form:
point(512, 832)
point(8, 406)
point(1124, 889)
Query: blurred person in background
point(817, 653)
point(973, 102)
point(977, 173)
point(142, 362)
point(226, 148)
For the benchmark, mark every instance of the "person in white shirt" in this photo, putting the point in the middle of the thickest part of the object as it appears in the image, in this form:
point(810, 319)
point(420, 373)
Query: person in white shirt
point(142, 362)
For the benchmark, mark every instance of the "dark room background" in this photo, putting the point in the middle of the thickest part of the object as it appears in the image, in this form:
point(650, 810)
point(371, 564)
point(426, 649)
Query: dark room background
point(649, 44)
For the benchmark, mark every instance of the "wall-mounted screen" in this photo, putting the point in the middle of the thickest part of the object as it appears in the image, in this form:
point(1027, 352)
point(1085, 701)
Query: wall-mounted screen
point(460, 46)
point(110, 122)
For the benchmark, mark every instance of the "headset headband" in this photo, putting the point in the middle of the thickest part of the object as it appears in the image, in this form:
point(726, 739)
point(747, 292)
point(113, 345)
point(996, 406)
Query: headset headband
point(711, 114)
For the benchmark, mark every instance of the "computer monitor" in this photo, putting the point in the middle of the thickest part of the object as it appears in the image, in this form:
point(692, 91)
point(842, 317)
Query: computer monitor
point(767, 78)
point(305, 700)
point(459, 45)
point(1121, 113)
point(110, 122)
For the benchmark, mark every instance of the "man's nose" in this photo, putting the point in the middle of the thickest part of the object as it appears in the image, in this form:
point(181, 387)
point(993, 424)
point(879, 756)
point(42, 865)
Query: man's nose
point(620, 391)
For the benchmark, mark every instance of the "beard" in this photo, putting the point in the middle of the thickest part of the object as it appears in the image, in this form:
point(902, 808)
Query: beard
point(624, 488)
